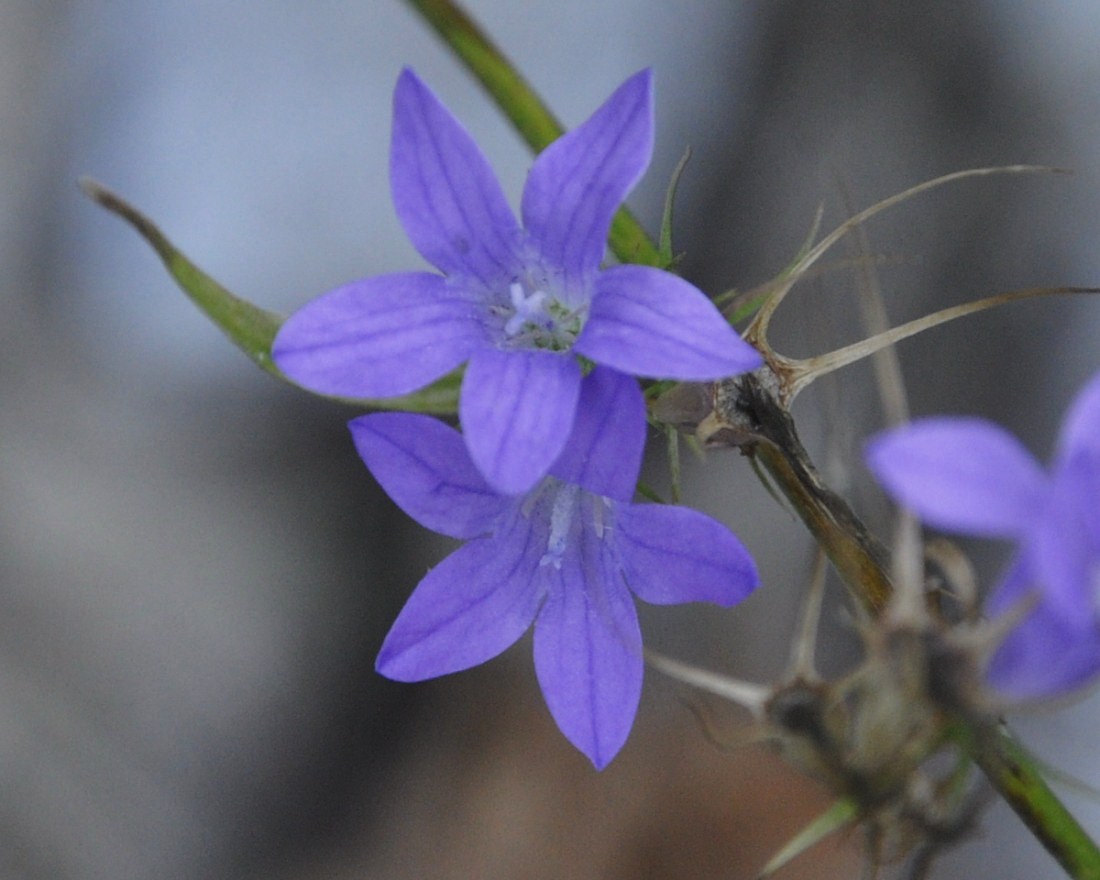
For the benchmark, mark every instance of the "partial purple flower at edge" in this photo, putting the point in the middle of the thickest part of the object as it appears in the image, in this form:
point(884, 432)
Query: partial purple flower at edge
point(565, 556)
point(973, 477)
point(1048, 654)
point(517, 303)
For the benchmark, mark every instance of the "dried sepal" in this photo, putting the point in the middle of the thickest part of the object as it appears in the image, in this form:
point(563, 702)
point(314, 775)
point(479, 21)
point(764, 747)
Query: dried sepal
point(881, 739)
point(797, 374)
point(758, 330)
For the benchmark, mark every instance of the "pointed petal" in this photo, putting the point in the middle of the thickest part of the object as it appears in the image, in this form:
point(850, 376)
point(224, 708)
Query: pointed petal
point(445, 193)
point(380, 337)
point(675, 554)
point(1081, 427)
point(1047, 654)
point(1065, 538)
point(964, 475)
point(579, 181)
point(1043, 657)
point(588, 653)
point(424, 467)
point(604, 452)
point(651, 323)
point(517, 409)
point(468, 609)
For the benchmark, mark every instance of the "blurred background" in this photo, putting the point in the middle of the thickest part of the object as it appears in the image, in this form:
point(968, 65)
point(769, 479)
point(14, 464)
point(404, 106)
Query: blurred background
point(196, 571)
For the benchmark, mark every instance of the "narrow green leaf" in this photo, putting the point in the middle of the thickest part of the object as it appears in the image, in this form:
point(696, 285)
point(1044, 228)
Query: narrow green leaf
point(249, 327)
point(749, 307)
point(649, 493)
point(841, 813)
point(664, 247)
point(672, 439)
point(438, 399)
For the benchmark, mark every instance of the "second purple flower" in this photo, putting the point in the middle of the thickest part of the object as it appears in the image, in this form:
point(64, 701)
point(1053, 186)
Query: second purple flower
point(517, 303)
point(565, 557)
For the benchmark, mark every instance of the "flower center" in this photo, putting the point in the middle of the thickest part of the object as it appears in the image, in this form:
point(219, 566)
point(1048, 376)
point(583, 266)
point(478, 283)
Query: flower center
point(535, 319)
point(565, 515)
point(561, 519)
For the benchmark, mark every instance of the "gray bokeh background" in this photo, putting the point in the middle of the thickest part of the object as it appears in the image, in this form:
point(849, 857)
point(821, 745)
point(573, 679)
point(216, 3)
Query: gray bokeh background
point(195, 569)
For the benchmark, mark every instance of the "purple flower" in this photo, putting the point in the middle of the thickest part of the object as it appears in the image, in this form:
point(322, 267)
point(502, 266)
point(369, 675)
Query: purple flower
point(1049, 653)
point(516, 303)
point(566, 555)
point(970, 476)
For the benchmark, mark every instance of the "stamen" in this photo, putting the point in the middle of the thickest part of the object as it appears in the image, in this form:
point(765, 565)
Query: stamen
point(535, 318)
point(599, 505)
point(561, 518)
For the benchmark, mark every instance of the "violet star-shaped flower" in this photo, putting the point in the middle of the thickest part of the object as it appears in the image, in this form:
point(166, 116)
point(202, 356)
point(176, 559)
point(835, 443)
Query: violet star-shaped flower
point(566, 556)
point(973, 477)
point(517, 304)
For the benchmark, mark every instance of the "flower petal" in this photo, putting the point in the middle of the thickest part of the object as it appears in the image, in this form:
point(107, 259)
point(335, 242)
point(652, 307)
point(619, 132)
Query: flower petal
point(588, 652)
point(444, 192)
point(1081, 426)
point(1065, 539)
point(380, 337)
point(964, 475)
point(675, 554)
point(424, 467)
point(604, 452)
point(517, 409)
point(1047, 654)
point(577, 183)
point(651, 323)
point(468, 609)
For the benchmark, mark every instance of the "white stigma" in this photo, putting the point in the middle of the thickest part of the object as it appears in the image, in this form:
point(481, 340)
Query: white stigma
point(597, 517)
point(528, 308)
point(561, 518)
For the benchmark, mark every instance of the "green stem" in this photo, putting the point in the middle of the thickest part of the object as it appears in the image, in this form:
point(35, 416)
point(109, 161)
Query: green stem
point(746, 415)
point(523, 107)
point(1015, 775)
